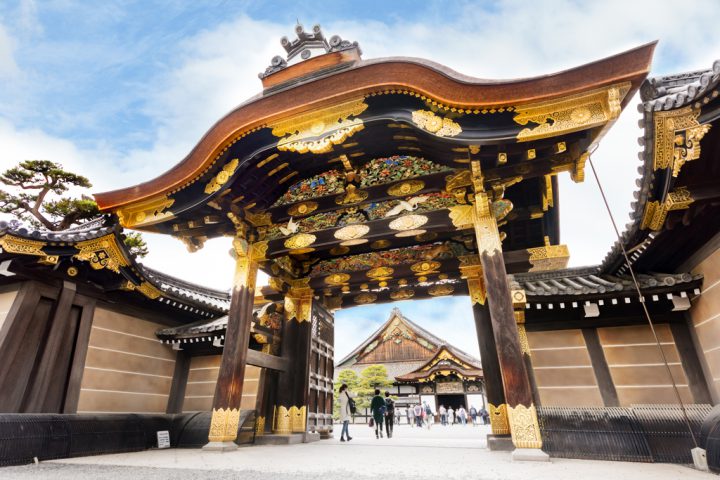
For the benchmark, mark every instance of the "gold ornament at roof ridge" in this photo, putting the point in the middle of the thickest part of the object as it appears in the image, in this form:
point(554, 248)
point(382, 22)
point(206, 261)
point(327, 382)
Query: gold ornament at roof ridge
point(570, 114)
point(319, 130)
point(102, 252)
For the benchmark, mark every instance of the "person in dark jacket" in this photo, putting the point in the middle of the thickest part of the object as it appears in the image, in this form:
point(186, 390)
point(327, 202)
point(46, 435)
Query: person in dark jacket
point(389, 414)
point(377, 407)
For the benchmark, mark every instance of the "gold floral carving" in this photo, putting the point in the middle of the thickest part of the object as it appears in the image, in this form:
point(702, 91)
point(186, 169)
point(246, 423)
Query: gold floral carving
point(365, 298)
point(298, 304)
point(352, 195)
point(499, 419)
point(379, 273)
point(486, 230)
point(301, 240)
point(337, 279)
point(461, 216)
point(342, 250)
point(406, 188)
point(260, 219)
point(546, 258)
point(146, 212)
point(351, 232)
point(408, 222)
point(440, 126)
point(23, 246)
point(677, 138)
point(302, 209)
point(440, 290)
point(102, 252)
point(522, 335)
point(402, 294)
point(570, 114)
point(524, 428)
point(260, 425)
point(222, 177)
point(656, 212)
point(224, 425)
point(318, 131)
point(282, 424)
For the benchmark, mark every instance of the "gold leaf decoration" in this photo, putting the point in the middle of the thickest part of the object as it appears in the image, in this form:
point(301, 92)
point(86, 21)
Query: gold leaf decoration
point(300, 240)
point(442, 127)
point(410, 233)
point(424, 268)
point(379, 244)
point(352, 195)
point(301, 209)
point(222, 177)
point(337, 278)
point(406, 188)
point(440, 290)
point(380, 273)
point(342, 250)
point(365, 298)
point(402, 294)
point(461, 216)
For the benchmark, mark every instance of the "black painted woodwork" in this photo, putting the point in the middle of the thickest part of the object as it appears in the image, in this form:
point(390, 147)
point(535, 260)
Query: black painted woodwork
point(179, 382)
point(488, 355)
point(690, 362)
point(600, 368)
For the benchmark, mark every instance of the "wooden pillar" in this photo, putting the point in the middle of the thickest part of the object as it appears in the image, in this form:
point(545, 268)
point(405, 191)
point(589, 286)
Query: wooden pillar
point(519, 307)
point(472, 272)
point(522, 415)
point(228, 391)
point(179, 382)
point(290, 413)
point(600, 368)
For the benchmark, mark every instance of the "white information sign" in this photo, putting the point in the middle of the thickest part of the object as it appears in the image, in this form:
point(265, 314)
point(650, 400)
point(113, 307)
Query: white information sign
point(163, 438)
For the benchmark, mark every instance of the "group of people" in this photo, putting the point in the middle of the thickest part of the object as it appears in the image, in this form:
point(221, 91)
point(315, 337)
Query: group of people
point(385, 414)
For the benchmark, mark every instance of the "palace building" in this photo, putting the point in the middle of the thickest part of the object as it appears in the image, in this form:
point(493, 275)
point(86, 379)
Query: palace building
point(353, 181)
point(425, 368)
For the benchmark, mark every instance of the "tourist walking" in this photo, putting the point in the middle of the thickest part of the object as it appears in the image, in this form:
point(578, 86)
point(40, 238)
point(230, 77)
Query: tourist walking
point(398, 414)
point(408, 414)
point(389, 414)
point(473, 415)
point(462, 414)
point(443, 415)
point(451, 415)
point(347, 409)
point(484, 415)
point(377, 407)
point(418, 412)
point(429, 416)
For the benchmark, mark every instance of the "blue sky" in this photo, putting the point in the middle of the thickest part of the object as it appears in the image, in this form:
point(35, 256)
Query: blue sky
point(121, 90)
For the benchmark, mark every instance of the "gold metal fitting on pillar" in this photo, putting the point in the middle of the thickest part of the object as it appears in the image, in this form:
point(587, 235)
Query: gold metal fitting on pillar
point(247, 255)
point(471, 270)
point(498, 419)
point(486, 229)
point(298, 300)
point(224, 425)
point(524, 427)
point(519, 301)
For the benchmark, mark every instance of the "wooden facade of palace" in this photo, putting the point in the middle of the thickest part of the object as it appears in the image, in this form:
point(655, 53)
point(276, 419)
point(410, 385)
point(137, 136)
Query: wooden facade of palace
point(351, 182)
point(424, 368)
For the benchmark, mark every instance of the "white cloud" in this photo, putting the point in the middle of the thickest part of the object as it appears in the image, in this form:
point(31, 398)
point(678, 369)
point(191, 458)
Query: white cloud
point(217, 69)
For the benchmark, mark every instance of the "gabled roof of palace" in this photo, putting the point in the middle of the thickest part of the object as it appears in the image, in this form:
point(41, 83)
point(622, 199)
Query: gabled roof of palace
point(446, 359)
point(407, 366)
point(660, 95)
point(60, 252)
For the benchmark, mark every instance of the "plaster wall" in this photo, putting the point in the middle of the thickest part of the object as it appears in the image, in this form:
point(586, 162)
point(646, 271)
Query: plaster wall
point(563, 370)
point(201, 381)
point(705, 320)
point(127, 369)
point(637, 368)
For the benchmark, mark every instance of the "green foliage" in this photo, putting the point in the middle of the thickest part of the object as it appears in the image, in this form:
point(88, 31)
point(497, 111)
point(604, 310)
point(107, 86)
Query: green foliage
point(372, 377)
point(31, 183)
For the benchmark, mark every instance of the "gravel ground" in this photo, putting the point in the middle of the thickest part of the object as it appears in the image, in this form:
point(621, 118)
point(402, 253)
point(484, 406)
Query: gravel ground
point(412, 454)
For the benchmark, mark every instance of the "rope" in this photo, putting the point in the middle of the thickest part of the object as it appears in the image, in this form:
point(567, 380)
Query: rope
point(642, 300)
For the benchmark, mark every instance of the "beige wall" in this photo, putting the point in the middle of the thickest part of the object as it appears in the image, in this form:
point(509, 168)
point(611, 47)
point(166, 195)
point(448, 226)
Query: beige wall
point(127, 369)
point(562, 368)
point(202, 378)
point(6, 301)
point(705, 318)
point(637, 368)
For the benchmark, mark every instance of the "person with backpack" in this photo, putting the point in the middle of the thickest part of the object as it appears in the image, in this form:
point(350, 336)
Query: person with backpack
point(389, 414)
point(378, 409)
point(347, 410)
point(418, 413)
point(473, 415)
